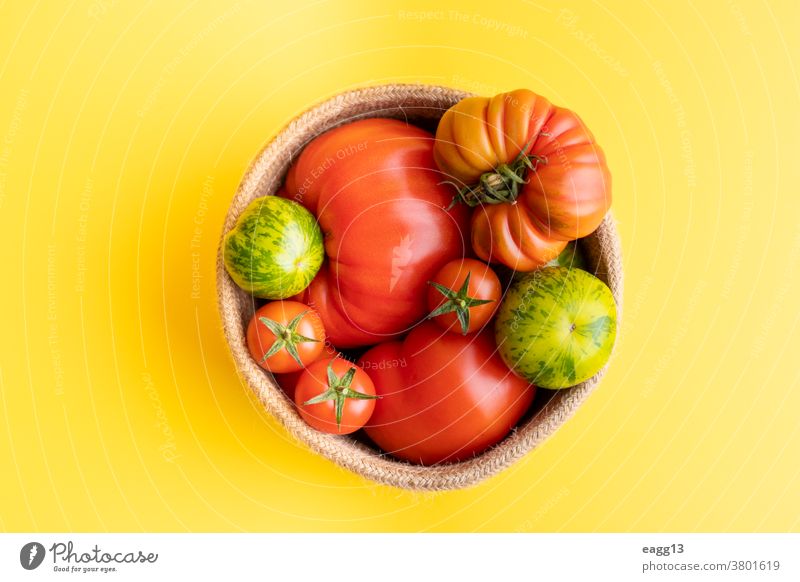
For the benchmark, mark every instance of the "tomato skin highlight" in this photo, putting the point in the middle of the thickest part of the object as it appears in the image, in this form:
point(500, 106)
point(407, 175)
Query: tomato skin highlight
point(567, 192)
point(444, 397)
point(379, 200)
point(322, 416)
point(483, 285)
point(260, 338)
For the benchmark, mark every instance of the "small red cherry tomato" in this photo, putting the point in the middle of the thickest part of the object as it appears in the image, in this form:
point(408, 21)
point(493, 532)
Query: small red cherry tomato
point(285, 336)
point(463, 296)
point(335, 396)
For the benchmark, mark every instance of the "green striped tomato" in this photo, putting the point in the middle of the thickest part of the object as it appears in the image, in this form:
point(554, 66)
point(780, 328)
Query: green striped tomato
point(556, 326)
point(571, 256)
point(275, 248)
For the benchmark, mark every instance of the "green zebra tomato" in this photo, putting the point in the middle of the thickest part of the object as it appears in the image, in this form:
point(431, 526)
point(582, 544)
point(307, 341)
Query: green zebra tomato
point(571, 256)
point(556, 326)
point(275, 249)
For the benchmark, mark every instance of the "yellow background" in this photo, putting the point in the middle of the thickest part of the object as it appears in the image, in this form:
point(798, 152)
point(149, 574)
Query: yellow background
point(125, 128)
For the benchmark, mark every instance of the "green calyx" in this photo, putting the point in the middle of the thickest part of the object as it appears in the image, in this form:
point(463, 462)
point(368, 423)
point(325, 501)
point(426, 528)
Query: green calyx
point(286, 336)
point(458, 302)
point(502, 184)
point(339, 390)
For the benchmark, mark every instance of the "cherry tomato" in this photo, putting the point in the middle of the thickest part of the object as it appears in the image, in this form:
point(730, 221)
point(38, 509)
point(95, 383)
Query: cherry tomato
point(285, 336)
point(335, 396)
point(463, 296)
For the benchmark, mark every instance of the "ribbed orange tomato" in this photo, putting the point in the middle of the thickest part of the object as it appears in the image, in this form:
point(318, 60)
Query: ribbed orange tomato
point(532, 170)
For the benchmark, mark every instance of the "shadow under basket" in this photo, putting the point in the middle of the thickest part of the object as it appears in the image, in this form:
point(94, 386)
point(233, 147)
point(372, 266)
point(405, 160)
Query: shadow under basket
point(422, 105)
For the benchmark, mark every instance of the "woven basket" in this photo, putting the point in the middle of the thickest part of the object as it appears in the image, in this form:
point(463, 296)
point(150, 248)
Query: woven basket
point(424, 105)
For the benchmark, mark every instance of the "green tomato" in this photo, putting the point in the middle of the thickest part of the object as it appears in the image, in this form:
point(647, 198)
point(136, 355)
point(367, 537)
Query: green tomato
point(556, 326)
point(275, 249)
point(571, 256)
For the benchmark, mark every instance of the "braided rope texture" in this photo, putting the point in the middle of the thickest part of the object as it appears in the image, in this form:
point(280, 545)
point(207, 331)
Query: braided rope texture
point(415, 103)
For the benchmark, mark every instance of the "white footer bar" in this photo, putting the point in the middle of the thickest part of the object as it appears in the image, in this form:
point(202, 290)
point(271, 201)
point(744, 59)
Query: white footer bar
point(406, 557)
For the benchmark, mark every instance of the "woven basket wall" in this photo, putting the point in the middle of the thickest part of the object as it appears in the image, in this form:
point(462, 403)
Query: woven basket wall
point(425, 105)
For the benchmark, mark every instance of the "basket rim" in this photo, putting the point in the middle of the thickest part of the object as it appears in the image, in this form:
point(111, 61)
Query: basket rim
point(264, 176)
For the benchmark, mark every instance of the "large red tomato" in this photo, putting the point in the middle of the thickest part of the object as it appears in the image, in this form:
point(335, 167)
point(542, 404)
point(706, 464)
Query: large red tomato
point(534, 170)
point(443, 396)
point(376, 192)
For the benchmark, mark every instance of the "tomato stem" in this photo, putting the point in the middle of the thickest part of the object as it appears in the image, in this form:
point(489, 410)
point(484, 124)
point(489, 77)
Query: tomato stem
point(458, 302)
point(502, 184)
point(339, 391)
point(286, 336)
